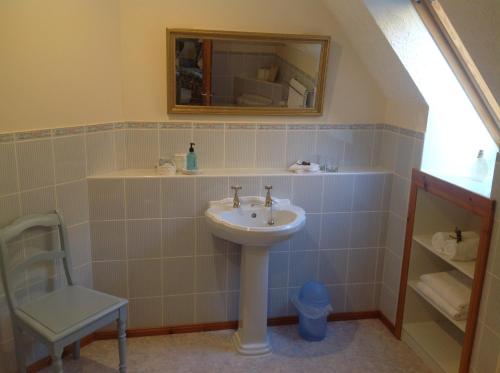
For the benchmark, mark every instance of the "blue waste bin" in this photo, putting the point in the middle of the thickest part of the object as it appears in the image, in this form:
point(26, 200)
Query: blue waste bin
point(313, 304)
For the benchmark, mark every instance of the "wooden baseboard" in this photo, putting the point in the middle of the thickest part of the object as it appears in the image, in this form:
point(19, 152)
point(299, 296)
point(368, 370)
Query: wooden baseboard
point(345, 316)
point(389, 325)
point(131, 333)
point(46, 361)
point(286, 320)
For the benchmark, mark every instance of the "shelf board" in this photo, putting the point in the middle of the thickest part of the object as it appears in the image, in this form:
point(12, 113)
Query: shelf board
point(459, 324)
point(436, 346)
point(467, 268)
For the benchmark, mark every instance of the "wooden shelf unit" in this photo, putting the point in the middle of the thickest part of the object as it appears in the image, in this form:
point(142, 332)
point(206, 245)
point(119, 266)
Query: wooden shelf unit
point(436, 205)
point(460, 324)
point(467, 268)
point(442, 350)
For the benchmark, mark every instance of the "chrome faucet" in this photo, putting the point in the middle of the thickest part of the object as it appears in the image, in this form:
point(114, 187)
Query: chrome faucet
point(236, 199)
point(269, 203)
point(269, 200)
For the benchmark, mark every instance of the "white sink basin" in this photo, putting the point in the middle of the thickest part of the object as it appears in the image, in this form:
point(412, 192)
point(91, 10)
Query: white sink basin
point(249, 225)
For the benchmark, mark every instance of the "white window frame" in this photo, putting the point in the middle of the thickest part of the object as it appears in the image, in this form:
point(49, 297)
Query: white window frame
point(462, 64)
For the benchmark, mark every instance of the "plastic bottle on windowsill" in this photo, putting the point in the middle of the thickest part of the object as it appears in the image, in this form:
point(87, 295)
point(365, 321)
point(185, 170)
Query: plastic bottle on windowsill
point(480, 168)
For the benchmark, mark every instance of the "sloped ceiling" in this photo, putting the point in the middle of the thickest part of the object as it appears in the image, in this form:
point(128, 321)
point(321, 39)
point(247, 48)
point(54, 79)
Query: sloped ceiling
point(378, 56)
point(478, 24)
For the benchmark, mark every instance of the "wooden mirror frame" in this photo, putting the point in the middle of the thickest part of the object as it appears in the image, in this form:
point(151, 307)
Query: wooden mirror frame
point(173, 108)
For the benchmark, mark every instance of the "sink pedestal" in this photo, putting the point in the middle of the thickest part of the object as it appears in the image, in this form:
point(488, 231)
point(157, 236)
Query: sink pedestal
point(248, 225)
point(251, 337)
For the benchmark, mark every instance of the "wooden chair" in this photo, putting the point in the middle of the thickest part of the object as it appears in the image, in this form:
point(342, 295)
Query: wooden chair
point(65, 315)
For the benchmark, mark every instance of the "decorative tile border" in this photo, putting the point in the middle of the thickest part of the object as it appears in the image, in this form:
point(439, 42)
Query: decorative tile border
point(302, 127)
point(7, 137)
point(363, 127)
point(208, 126)
point(141, 125)
point(100, 127)
point(411, 133)
point(271, 127)
point(93, 128)
point(175, 125)
point(67, 131)
point(403, 131)
point(30, 135)
point(242, 126)
point(359, 126)
point(391, 128)
point(341, 126)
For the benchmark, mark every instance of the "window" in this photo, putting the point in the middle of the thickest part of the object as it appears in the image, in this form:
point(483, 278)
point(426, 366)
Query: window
point(463, 114)
point(447, 38)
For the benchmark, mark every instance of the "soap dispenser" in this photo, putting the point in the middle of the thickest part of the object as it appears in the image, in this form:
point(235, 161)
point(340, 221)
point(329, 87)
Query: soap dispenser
point(480, 167)
point(192, 162)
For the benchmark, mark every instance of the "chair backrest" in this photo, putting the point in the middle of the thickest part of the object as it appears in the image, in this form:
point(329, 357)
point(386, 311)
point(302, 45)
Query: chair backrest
point(15, 229)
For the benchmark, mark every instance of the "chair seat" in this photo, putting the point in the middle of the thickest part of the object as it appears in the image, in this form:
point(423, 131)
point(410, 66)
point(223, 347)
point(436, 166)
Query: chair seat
point(68, 308)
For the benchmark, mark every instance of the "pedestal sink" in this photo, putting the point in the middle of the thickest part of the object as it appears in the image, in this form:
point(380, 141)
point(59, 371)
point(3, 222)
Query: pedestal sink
point(252, 226)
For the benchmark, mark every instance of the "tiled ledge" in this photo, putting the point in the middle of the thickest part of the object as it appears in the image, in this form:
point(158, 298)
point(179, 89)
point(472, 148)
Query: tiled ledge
point(151, 173)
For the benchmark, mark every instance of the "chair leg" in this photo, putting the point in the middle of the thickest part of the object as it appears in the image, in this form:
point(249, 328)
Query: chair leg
point(122, 343)
point(20, 357)
point(76, 350)
point(57, 363)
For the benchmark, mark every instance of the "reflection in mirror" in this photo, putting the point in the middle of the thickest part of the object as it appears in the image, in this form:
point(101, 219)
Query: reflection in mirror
point(245, 73)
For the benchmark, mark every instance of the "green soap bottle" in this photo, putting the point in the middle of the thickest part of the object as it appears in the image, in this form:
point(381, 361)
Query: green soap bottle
point(192, 162)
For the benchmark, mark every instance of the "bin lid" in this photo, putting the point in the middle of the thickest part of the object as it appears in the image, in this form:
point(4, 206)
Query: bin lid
point(313, 301)
point(314, 294)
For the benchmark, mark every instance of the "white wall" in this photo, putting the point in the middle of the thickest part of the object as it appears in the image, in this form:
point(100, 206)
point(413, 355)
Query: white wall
point(405, 106)
point(352, 95)
point(306, 57)
point(59, 63)
point(452, 119)
point(87, 61)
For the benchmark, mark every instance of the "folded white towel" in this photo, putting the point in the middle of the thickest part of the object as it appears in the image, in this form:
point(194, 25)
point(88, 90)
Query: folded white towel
point(451, 286)
point(464, 250)
point(439, 239)
point(442, 304)
point(299, 168)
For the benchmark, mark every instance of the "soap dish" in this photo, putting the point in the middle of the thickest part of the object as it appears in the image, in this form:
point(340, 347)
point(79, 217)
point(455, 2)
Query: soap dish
point(190, 172)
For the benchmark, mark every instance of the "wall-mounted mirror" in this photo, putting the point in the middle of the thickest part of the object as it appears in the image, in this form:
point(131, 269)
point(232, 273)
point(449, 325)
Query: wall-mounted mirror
point(219, 72)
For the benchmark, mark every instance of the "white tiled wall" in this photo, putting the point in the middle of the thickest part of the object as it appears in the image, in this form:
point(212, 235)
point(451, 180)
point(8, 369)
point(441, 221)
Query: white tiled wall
point(486, 354)
point(172, 254)
point(400, 151)
point(219, 145)
point(147, 239)
point(39, 173)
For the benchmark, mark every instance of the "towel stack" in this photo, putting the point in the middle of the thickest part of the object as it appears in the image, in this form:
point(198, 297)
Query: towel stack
point(303, 167)
point(449, 291)
point(464, 250)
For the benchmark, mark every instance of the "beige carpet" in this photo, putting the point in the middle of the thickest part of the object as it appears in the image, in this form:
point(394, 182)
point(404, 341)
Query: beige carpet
point(350, 347)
